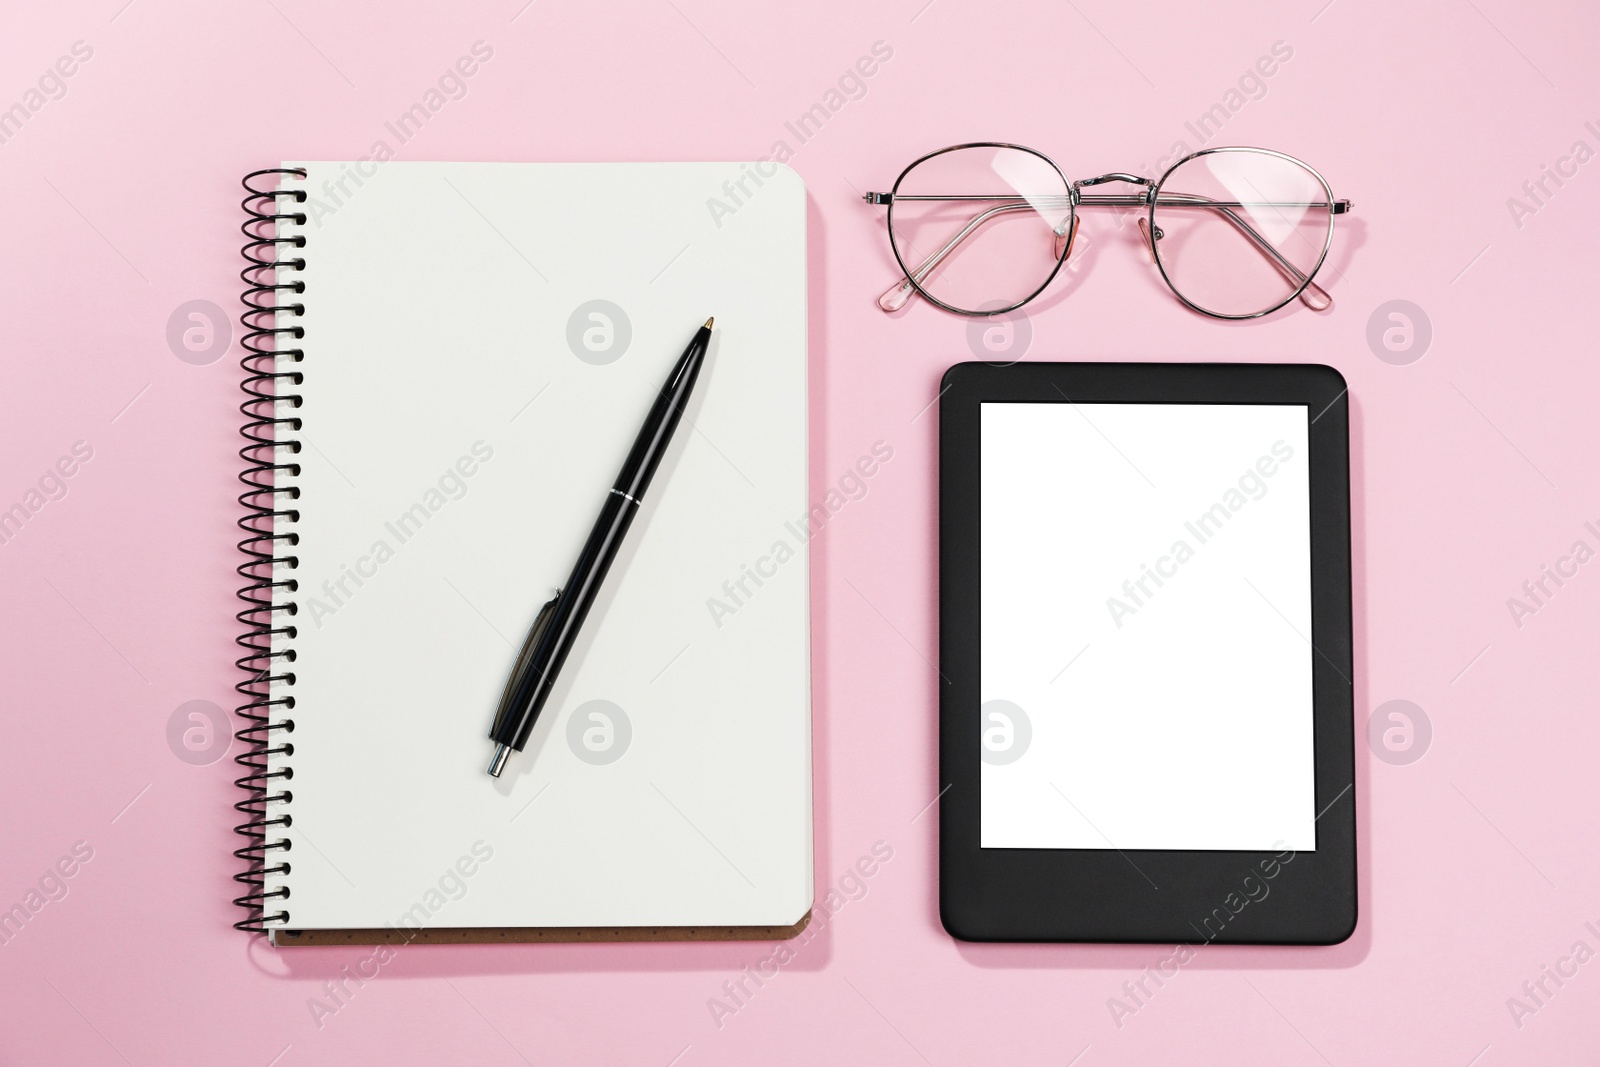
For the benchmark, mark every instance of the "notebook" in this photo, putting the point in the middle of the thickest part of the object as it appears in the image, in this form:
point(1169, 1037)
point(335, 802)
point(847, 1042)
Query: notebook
point(462, 354)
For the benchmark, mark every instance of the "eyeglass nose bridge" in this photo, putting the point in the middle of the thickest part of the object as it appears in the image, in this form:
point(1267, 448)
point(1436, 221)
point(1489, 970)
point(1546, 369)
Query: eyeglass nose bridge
point(1114, 176)
point(1151, 234)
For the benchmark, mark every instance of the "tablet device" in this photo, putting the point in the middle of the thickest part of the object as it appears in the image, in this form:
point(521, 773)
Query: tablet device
point(1146, 718)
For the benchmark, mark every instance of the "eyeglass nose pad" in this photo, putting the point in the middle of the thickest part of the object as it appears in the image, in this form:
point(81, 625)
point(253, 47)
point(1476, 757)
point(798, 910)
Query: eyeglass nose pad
point(1149, 241)
point(1063, 241)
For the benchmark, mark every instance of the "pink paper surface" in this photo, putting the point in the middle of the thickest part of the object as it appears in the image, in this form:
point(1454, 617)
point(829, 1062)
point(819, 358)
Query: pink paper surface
point(1473, 469)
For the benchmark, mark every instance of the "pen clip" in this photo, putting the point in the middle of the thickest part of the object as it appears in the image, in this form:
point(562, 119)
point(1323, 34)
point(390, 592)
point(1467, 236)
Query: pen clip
point(541, 623)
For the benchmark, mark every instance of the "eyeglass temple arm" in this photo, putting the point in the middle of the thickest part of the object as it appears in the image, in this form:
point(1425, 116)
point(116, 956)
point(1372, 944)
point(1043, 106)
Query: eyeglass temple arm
point(896, 296)
point(1312, 295)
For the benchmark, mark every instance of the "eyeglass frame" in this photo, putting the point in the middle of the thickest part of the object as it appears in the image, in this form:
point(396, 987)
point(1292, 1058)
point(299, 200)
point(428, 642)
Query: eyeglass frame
point(1151, 232)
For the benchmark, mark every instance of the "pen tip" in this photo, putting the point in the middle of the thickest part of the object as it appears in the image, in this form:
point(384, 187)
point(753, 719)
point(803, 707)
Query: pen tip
point(707, 326)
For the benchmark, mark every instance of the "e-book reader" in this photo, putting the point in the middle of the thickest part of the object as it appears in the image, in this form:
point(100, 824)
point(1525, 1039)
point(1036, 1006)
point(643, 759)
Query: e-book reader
point(1146, 653)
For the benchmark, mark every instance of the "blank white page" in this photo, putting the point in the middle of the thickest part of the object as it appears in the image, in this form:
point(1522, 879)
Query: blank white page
point(463, 423)
point(1146, 615)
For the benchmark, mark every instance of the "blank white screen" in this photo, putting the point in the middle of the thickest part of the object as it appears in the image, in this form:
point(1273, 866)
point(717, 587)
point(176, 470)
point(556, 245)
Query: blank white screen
point(1146, 604)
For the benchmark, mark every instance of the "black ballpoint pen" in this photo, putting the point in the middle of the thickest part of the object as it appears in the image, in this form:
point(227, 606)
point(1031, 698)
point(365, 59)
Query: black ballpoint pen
point(556, 627)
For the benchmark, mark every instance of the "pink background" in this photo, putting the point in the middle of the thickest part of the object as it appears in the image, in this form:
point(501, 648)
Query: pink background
point(1472, 468)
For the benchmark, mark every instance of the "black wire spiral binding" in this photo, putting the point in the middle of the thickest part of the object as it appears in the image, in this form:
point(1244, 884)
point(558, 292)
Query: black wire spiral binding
point(264, 480)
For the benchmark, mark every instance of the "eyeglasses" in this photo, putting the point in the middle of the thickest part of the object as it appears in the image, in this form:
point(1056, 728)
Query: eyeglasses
point(983, 228)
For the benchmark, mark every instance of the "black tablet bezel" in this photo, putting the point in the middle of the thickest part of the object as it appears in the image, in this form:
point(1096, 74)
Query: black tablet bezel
point(1193, 897)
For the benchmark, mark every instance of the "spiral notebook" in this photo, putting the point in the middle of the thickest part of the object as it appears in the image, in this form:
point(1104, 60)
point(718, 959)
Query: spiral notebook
point(447, 364)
